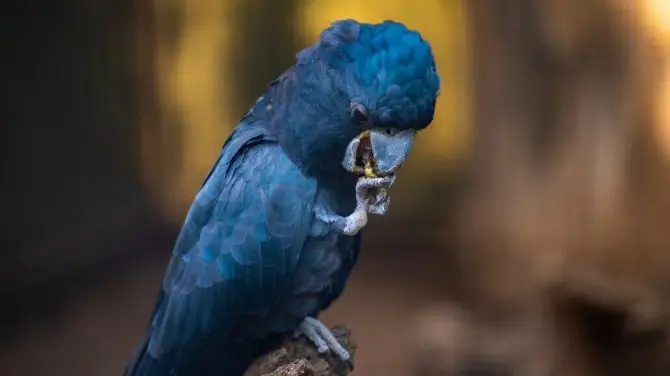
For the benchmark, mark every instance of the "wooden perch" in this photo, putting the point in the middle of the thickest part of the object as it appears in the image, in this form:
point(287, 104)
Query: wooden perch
point(298, 357)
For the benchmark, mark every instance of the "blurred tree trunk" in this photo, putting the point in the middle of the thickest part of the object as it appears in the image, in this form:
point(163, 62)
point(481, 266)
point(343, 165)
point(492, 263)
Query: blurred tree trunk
point(76, 186)
point(564, 230)
point(265, 45)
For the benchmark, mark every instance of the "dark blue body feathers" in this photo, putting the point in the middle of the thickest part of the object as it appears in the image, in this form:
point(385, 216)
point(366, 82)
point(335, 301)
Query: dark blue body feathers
point(250, 263)
point(254, 256)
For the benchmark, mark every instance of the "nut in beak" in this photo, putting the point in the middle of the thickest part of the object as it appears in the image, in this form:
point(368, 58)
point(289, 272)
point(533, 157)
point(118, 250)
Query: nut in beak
point(375, 153)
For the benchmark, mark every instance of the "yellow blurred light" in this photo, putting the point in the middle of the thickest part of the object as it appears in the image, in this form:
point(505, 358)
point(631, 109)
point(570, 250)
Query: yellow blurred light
point(656, 17)
point(190, 74)
point(663, 112)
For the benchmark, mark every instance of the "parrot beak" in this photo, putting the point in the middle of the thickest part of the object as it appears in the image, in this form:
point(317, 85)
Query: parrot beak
point(375, 153)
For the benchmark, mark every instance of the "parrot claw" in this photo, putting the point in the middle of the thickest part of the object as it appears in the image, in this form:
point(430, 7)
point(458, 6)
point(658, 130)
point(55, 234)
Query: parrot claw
point(370, 195)
point(364, 185)
point(380, 204)
point(319, 334)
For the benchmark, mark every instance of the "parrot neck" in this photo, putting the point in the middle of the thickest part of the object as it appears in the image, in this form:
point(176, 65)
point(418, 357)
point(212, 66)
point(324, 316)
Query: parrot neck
point(309, 120)
point(310, 133)
point(339, 198)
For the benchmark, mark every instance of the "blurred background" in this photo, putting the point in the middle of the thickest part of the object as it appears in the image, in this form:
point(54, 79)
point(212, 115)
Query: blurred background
point(528, 233)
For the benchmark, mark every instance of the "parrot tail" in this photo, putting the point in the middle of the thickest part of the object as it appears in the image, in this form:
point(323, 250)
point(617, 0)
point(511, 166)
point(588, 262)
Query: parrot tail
point(196, 359)
point(226, 362)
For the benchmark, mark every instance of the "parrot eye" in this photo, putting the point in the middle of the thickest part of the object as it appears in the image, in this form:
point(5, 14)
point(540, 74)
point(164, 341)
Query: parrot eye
point(359, 114)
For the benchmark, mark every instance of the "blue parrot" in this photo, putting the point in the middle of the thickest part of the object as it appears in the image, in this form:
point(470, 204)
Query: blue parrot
point(270, 240)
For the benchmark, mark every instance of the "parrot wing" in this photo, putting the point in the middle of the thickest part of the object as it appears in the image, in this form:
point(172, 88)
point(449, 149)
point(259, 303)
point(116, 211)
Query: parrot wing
point(239, 245)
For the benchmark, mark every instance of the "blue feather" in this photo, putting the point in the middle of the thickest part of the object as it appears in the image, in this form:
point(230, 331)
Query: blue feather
point(229, 260)
point(254, 257)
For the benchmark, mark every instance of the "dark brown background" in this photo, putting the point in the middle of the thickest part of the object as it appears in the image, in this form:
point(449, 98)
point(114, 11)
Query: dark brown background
point(527, 235)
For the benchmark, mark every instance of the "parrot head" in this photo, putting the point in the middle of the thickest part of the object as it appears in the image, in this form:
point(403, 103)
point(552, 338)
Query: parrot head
point(360, 95)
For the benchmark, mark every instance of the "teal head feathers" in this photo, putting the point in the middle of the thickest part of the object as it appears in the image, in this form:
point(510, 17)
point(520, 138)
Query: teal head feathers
point(361, 89)
point(390, 70)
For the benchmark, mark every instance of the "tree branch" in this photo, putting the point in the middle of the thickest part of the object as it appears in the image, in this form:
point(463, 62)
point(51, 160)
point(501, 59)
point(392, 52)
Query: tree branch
point(299, 357)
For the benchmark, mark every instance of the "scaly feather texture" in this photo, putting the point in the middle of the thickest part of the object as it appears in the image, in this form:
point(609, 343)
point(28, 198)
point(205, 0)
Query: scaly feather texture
point(254, 257)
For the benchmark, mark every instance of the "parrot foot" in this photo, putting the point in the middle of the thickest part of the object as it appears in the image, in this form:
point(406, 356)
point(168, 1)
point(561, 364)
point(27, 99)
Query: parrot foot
point(371, 197)
point(354, 222)
point(319, 334)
